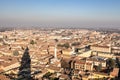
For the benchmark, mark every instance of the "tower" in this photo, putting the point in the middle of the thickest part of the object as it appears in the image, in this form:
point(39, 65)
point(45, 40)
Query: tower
point(110, 47)
point(55, 52)
point(73, 51)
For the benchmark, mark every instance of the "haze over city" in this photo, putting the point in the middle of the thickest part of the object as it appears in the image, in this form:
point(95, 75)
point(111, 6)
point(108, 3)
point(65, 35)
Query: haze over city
point(59, 40)
point(60, 13)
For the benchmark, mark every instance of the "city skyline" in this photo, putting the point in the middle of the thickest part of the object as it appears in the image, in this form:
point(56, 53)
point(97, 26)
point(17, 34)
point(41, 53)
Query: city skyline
point(60, 13)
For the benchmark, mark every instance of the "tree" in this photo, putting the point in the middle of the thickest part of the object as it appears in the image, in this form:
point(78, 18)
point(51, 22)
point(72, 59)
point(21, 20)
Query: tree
point(117, 63)
point(47, 75)
point(76, 50)
point(22, 48)
point(54, 78)
point(56, 40)
point(110, 65)
point(25, 67)
point(65, 45)
point(32, 42)
point(65, 64)
point(75, 44)
point(99, 67)
point(15, 53)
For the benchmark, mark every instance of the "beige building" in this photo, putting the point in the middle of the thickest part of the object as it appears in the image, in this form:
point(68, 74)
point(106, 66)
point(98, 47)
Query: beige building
point(83, 65)
point(99, 48)
point(97, 62)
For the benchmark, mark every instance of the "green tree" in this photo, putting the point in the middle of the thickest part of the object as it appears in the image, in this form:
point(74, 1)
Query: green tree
point(110, 63)
point(65, 64)
point(54, 78)
point(99, 67)
point(117, 63)
point(65, 45)
point(32, 42)
point(15, 53)
point(47, 75)
point(75, 44)
point(56, 40)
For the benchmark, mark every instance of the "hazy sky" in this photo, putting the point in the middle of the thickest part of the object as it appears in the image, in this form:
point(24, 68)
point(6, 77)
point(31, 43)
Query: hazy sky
point(80, 13)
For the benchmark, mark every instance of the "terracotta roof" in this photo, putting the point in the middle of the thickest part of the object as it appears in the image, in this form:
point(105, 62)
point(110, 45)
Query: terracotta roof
point(63, 76)
point(1, 70)
point(54, 68)
point(115, 72)
point(80, 62)
point(8, 60)
point(3, 77)
point(88, 63)
point(99, 46)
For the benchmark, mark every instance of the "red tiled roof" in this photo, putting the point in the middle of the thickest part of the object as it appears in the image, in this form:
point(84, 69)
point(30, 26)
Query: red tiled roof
point(3, 77)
